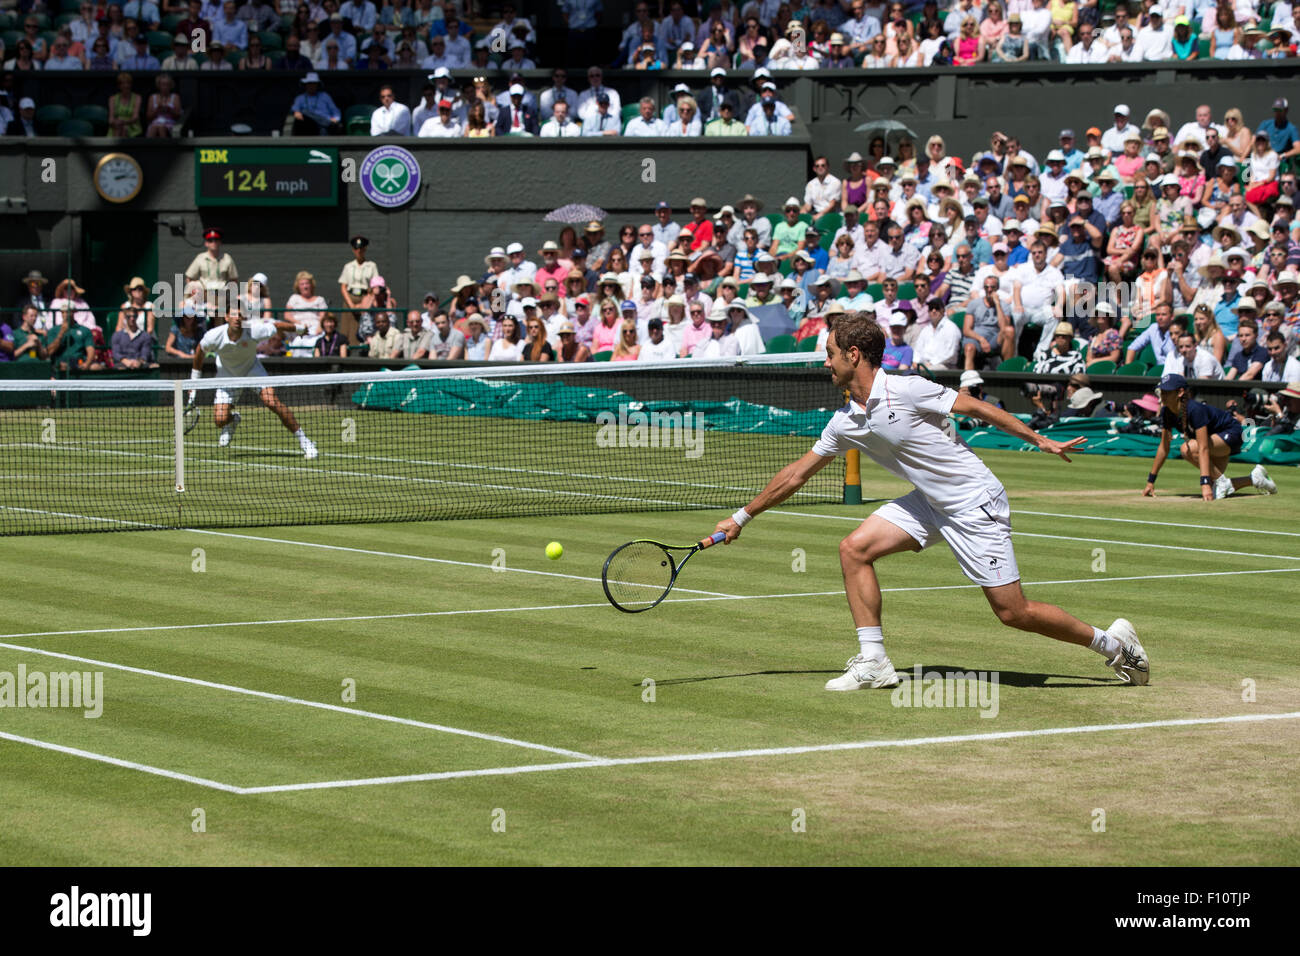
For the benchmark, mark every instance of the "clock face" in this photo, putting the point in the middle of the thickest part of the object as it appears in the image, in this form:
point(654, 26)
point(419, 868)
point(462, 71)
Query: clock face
point(118, 177)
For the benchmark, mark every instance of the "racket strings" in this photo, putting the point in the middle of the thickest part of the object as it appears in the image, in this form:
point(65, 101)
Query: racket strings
point(638, 575)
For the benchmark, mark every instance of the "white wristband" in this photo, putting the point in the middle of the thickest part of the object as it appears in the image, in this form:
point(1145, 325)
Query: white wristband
point(195, 373)
point(742, 517)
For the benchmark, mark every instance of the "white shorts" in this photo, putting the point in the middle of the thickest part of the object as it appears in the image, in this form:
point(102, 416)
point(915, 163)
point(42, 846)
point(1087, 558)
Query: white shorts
point(231, 396)
point(980, 537)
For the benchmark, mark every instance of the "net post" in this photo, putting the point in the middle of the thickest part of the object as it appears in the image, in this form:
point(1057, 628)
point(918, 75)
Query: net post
point(853, 477)
point(178, 416)
point(852, 471)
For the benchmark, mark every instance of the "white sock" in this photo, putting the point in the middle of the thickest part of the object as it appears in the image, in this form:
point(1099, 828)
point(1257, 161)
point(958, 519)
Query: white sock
point(873, 643)
point(1104, 644)
point(300, 435)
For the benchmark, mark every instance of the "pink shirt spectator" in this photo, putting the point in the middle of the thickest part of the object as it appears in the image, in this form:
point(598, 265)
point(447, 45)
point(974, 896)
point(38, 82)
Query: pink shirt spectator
point(605, 337)
point(558, 273)
point(693, 335)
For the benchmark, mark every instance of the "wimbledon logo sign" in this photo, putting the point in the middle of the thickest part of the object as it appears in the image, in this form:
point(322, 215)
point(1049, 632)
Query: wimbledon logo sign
point(390, 176)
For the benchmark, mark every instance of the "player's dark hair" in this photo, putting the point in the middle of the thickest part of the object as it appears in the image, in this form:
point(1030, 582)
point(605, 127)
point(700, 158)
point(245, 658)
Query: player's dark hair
point(1277, 337)
point(860, 330)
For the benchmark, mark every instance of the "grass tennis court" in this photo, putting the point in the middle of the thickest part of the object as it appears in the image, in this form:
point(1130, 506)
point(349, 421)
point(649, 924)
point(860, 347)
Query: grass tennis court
point(516, 696)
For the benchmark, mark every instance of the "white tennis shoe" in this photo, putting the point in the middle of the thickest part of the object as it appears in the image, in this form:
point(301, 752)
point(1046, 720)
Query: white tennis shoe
point(228, 430)
point(308, 448)
point(1131, 662)
point(1260, 479)
point(1223, 487)
point(860, 673)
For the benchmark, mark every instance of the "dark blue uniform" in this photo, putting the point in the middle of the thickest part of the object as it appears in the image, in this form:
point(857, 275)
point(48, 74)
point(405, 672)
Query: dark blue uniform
point(1200, 415)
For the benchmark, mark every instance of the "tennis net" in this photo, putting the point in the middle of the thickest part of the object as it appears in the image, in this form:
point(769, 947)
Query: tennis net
point(495, 441)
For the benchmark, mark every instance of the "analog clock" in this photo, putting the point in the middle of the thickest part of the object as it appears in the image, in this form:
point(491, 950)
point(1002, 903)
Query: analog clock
point(118, 177)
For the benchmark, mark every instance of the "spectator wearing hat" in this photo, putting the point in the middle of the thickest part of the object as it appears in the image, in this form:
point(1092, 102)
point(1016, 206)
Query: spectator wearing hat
point(314, 112)
point(68, 299)
point(601, 120)
point(216, 271)
point(180, 59)
point(1061, 357)
point(355, 279)
point(788, 235)
point(1113, 139)
point(516, 116)
point(444, 125)
point(726, 124)
point(1284, 139)
point(137, 297)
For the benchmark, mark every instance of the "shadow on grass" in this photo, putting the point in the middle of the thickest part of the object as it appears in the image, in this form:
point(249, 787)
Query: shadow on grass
point(1007, 678)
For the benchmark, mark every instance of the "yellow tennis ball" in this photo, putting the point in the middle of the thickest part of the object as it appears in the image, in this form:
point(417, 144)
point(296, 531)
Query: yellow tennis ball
point(554, 550)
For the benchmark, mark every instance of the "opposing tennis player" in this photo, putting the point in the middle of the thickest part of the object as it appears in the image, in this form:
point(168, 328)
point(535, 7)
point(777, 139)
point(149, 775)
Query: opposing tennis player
point(897, 421)
point(234, 345)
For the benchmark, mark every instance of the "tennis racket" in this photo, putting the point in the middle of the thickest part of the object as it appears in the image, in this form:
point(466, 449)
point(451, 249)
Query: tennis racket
point(638, 575)
point(192, 415)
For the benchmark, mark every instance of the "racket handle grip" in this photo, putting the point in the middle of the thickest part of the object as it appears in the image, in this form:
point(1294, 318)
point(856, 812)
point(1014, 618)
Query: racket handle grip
point(716, 538)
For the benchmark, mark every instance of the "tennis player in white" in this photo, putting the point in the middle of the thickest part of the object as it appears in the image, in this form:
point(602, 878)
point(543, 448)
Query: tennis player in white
point(896, 420)
point(235, 347)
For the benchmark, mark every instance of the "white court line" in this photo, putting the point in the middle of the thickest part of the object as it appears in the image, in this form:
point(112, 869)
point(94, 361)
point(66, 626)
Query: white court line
point(1162, 524)
point(568, 607)
point(338, 547)
point(1059, 537)
point(420, 557)
point(126, 764)
point(769, 752)
point(281, 698)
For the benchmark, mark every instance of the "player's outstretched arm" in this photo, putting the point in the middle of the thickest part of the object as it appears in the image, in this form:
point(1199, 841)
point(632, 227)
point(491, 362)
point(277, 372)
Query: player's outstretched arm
point(783, 484)
point(1005, 421)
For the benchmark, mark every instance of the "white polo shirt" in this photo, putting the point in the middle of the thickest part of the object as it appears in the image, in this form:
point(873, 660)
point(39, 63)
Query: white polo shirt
point(900, 429)
point(237, 358)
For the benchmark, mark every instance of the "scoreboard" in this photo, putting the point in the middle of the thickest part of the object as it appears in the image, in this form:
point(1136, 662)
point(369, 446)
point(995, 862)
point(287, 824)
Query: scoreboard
point(272, 176)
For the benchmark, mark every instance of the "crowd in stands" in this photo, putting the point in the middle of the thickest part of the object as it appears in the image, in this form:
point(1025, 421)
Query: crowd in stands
point(1166, 246)
point(760, 37)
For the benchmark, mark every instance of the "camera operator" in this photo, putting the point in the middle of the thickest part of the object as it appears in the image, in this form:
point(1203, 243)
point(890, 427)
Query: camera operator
point(972, 384)
point(1285, 409)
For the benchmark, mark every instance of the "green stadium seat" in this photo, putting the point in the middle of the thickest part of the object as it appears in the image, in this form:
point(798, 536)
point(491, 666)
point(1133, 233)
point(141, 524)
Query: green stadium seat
point(1132, 368)
point(49, 117)
point(74, 127)
point(233, 56)
point(958, 319)
point(828, 223)
point(1203, 48)
point(876, 290)
point(42, 19)
point(95, 115)
point(1017, 364)
point(71, 6)
point(356, 119)
point(271, 41)
point(786, 266)
point(807, 344)
point(1147, 355)
point(828, 241)
point(1105, 367)
point(11, 38)
point(782, 344)
point(602, 356)
point(742, 291)
point(63, 19)
point(49, 36)
point(169, 23)
point(907, 290)
point(8, 20)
